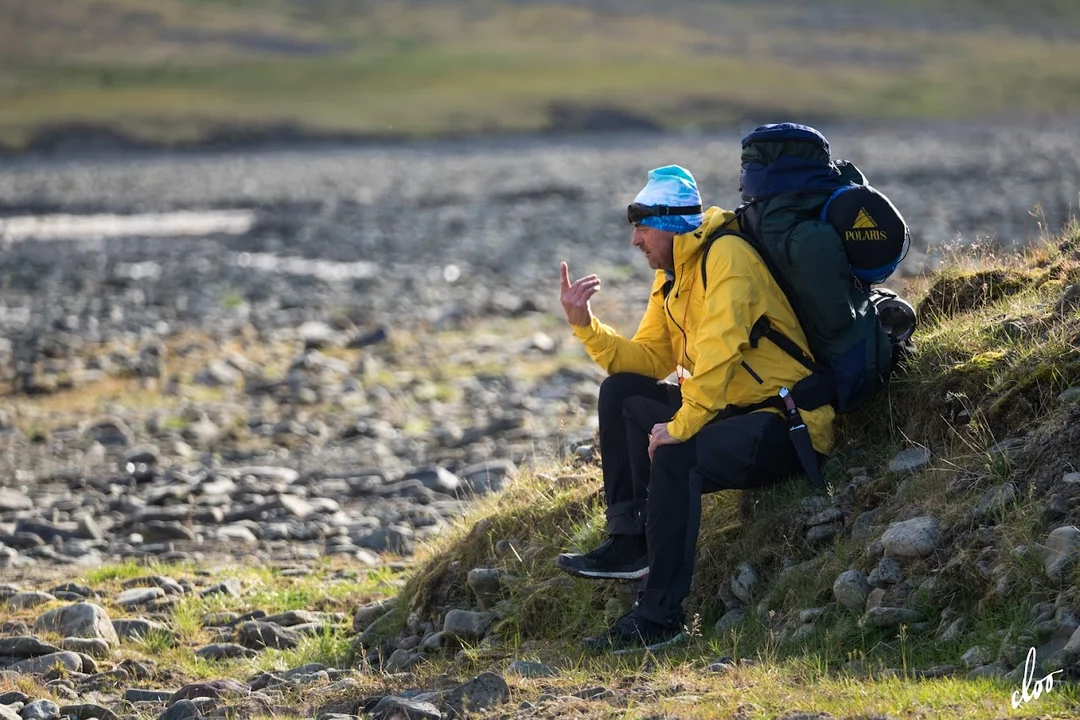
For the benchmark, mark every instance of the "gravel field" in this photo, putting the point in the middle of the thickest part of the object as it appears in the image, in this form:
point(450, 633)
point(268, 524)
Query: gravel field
point(487, 203)
point(366, 315)
point(329, 354)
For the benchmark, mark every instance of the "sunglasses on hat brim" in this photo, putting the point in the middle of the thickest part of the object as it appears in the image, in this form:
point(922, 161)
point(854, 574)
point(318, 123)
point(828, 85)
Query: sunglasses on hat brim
point(636, 212)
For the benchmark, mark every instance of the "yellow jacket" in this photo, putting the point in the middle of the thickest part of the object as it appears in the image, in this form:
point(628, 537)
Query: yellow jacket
point(708, 334)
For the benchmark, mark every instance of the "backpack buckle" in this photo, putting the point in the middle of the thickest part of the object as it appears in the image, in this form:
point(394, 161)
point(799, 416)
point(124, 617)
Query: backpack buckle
point(759, 330)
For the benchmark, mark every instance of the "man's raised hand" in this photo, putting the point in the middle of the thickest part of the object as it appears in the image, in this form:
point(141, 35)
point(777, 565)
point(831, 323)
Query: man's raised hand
point(575, 297)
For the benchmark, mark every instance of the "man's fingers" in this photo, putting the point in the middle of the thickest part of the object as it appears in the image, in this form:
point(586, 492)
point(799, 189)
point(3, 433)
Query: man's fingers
point(580, 294)
point(587, 279)
point(587, 282)
point(565, 276)
point(589, 293)
point(584, 284)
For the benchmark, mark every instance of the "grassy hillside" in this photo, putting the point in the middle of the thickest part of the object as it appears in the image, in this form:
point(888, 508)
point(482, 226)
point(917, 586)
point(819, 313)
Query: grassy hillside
point(186, 69)
point(988, 395)
point(993, 395)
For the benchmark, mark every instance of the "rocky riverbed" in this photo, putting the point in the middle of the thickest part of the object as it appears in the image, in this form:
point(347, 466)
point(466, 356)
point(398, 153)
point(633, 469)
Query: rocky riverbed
point(278, 358)
point(327, 351)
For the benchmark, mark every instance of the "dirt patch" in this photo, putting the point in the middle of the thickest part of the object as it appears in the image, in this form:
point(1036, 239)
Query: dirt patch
point(952, 295)
point(1055, 451)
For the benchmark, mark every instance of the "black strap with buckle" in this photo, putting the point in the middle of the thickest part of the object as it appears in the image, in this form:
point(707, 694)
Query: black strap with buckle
point(800, 438)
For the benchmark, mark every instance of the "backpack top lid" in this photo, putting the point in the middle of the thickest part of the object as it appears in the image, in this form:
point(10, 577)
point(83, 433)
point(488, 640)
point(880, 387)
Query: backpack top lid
point(786, 157)
point(781, 132)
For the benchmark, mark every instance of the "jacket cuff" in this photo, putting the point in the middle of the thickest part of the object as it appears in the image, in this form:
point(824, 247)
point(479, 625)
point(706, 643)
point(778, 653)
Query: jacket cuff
point(673, 431)
point(686, 425)
point(584, 332)
point(679, 429)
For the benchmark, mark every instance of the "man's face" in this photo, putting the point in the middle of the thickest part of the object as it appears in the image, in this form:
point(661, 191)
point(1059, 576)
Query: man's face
point(656, 244)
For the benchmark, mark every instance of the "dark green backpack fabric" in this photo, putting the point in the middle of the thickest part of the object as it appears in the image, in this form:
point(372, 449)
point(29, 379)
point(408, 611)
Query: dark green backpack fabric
point(787, 179)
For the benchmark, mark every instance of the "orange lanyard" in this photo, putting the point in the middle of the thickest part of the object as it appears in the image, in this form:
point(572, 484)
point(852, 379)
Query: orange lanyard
point(679, 369)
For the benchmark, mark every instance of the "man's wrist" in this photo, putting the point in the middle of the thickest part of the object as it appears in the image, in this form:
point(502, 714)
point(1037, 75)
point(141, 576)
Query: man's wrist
point(671, 430)
point(583, 328)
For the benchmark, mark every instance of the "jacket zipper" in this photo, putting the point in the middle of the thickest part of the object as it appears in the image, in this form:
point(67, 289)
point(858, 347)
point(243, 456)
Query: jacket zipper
point(667, 307)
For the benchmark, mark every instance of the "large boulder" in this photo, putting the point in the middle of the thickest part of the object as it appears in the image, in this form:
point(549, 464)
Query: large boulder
point(746, 583)
point(29, 599)
point(1062, 548)
point(913, 538)
point(226, 688)
point(482, 692)
point(257, 635)
point(486, 584)
point(25, 646)
point(891, 617)
point(365, 615)
point(44, 663)
point(12, 499)
point(851, 590)
point(393, 707)
point(910, 460)
point(467, 625)
point(85, 620)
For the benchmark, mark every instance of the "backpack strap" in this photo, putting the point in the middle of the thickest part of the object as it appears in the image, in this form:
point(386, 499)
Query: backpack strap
point(720, 232)
point(810, 393)
point(762, 328)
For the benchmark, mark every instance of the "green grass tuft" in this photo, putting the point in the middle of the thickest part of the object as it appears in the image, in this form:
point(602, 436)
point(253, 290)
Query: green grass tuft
point(131, 569)
point(330, 647)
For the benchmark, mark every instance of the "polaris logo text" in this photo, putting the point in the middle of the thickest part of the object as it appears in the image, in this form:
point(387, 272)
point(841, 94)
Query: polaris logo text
point(864, 235)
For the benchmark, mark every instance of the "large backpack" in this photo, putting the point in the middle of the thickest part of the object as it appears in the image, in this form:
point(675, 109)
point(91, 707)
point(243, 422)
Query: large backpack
point(825, 236)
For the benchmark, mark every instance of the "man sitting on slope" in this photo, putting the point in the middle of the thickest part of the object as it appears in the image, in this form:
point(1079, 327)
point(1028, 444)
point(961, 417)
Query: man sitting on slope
point(663, 444)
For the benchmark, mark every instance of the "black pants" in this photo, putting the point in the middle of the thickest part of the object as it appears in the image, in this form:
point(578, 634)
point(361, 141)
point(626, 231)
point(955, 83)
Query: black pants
point(662, 499)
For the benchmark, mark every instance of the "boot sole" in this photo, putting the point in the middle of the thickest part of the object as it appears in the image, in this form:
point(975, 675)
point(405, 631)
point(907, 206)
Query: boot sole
point(671, 642)
point(655, 646)
point(607, 574)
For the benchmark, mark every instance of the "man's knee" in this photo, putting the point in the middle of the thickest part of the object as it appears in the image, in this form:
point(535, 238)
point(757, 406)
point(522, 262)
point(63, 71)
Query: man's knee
point(671, 470)
point(617, 388)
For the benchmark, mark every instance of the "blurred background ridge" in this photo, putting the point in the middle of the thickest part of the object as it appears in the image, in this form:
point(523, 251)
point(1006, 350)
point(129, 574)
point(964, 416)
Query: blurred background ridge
point(206, 72)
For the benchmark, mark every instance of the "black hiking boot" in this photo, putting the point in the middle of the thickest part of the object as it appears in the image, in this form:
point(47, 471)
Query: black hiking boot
point(620, 557)
point(633, 632)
